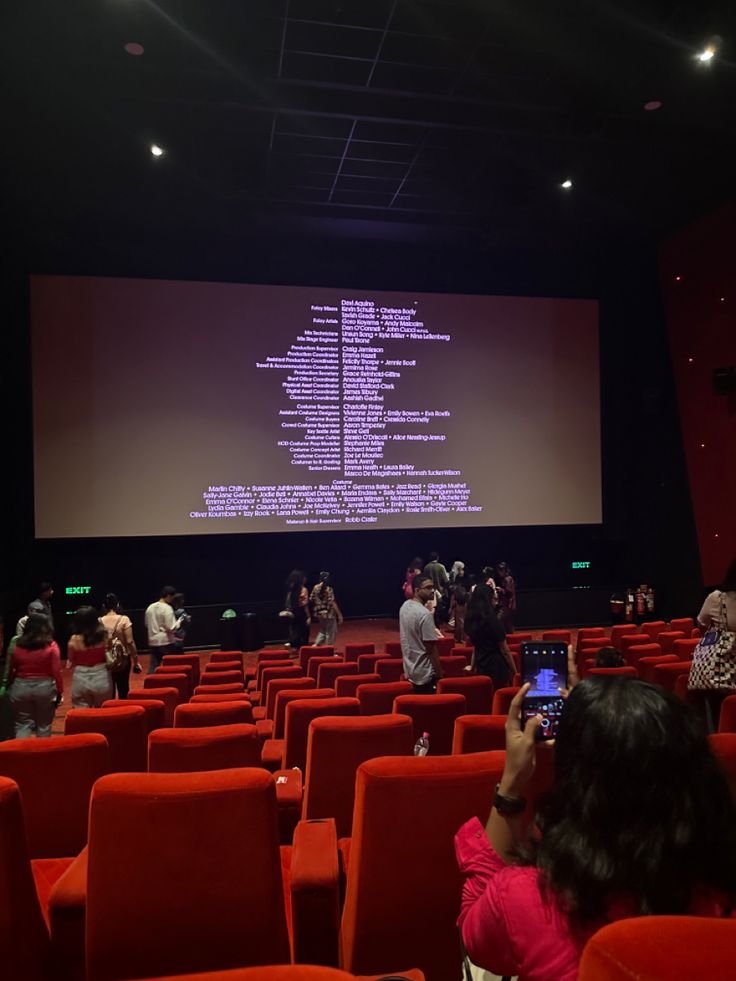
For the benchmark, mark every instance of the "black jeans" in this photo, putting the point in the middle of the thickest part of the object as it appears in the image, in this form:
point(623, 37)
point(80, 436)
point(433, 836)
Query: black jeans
point(157, 656)
point(121, 682)
point(430, 688)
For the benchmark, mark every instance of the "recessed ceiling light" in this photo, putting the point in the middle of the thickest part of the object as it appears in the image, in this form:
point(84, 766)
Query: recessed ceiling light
point(567, 184)
point(133, 48)
point(651, 106)
point(156, 150)
point(707, 54)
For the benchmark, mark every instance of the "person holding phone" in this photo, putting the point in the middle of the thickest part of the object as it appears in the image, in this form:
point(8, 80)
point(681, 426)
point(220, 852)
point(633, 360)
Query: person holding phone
point(639, 821)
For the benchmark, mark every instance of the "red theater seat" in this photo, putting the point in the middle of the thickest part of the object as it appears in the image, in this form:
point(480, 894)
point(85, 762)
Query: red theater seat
point(593, 644)
point(652, 628)
point(219, 666)
point(292, 750)
point(661, 948)
point(393, 649)
point(559, 636)
point(55, 777)
point(620, 630)
point(390, 669)
point(453, 666)
point(479, 733)
point(124, 728)
point(154, 710)
point(24, 938)
point(401, 905)
point(367, 663)
point(335, 749)
point(275, 685)
point(227, 657)
point(192, 912)
point(667, 639)
point(346, 686)
point(685, 624)
point(169, 696)
point(180, 682)
point(638, 651)
point(315, 663)
point(233, 696)
point(205, 748)
point(683, 648)
point(646, 665)
point(727, 718)
point(632, 640)
point(433, 714)
point(477, 690)
point(624, 672)
point(502, 699)
point(294, 972)
point(221, 678)
point(354, 651)
point(445, 645)
point(164, 670)
point(330, 671)
point(284, 662)
point(234, 688)
point(291, 695)
point(666, 674)
point(518, 638)
point(379, 699)
point(588, 633)
point(178, 659)
point(723, 745)
point(463, 650)
point(273, 656)
point(271, 674)
point(314, 650)
point(197, 714)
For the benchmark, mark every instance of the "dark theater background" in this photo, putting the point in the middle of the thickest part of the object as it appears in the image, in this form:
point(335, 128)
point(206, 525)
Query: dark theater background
point(393, 145)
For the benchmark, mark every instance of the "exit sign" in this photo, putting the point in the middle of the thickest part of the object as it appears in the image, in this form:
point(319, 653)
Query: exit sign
point(77, 590)
point(581, 565)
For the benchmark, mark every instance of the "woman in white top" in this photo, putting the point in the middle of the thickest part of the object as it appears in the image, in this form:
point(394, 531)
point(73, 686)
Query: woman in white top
point(118, 625)
point(719, 611)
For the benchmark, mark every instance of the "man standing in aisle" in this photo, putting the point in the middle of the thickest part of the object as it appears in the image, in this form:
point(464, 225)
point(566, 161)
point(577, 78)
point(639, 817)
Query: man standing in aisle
point(43, 602)
point(435, 571)
point(161, 626)
point(419, 641)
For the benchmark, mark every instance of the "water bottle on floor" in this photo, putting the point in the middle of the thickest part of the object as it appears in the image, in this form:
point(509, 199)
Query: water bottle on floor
point(421, 747)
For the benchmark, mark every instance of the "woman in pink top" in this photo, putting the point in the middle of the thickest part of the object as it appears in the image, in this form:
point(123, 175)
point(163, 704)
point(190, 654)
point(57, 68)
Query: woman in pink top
point(639, 820)
point(91, 679)
point(37, 684)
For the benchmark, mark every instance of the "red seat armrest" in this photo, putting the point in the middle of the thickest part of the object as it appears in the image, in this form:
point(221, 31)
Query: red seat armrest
point(315, 893)
point(272, 754)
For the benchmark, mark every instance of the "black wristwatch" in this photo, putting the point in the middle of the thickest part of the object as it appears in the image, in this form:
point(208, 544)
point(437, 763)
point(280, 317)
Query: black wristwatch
point(508, 806)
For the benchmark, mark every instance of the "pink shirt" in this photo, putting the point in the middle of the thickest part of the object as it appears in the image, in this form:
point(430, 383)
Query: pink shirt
point(509, 927)
point(44, 662)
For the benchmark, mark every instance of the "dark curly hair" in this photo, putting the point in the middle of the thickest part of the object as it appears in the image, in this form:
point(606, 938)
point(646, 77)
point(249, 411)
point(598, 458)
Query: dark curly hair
point(639, 808)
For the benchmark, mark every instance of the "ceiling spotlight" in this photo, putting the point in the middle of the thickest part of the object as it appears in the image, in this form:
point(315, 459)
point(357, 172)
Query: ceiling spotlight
point(566, 184)
point(156, 150)
point(707, 54)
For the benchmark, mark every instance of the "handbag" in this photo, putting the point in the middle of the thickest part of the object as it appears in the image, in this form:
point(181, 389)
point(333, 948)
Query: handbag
point(714, 658)
point(117, 654)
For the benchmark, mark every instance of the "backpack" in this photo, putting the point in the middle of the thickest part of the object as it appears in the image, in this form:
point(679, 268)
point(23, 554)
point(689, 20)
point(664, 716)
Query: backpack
point(117, 654)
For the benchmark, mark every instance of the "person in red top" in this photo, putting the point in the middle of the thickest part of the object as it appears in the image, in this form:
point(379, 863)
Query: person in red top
point(37, 685)
point(639, 821)
point(91, 679)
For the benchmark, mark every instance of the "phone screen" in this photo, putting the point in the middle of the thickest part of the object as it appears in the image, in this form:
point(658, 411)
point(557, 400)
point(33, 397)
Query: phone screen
point(544, 667)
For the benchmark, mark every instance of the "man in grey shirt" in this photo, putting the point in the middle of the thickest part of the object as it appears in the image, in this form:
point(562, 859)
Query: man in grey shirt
point(435, 571)
point(419, 641)
point(43, 603)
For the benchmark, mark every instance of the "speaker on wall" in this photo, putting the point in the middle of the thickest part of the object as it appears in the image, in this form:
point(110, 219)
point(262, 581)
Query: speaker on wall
point(724, 380)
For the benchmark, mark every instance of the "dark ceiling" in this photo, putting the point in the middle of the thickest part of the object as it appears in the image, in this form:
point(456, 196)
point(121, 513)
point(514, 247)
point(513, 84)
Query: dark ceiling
point(423, 114)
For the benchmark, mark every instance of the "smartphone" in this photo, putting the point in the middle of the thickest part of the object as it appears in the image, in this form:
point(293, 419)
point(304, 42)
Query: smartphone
point(544, 667)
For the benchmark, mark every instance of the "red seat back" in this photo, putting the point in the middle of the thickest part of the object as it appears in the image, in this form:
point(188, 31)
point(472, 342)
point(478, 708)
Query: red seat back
point(284, 662)
point(477, 690)
point(330, 671)
point(55, 777)
point(637, 651)
point(651, 948)
point(24, 937)
point(169, 696)
point(621, 629)
point(588, 633)
point(723, 745)
point(354, 651)
point(192, 913)
point(684, 647)
point(393, 649)
point(203, 748)
point(390, 669)
point(558, 636)
point(646, 665)
point(624, 672)
point(177, 659)
point(445, 645)
point(218, 696)
point(124, 728)
point(335, 749)
point(379, 699)
point(219, 666)
point(221, 678)
point(163, 671)
point(667, 639)
point(283, 698)
point(410, 918)
point(518, 638)
point(197, 714)
point(275, 685)
point(292, 672)
point(632, 640)
point(453, 665)
point(346, 686)
point(367, 663)
point(479, 733)
point(229, 657)
point(667, 674)
point(299, 714)
point(433, 714)
point(234, 688)
point(727, 718)
point(685, 624)
point(314, 650)
point(316, 662)
point(463, 650)
point(502, 699)
point(154, 709)
point(180, 682)
point(652, 628)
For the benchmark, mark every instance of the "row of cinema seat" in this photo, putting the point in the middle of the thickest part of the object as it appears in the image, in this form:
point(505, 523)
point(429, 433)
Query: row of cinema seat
point(183, 872)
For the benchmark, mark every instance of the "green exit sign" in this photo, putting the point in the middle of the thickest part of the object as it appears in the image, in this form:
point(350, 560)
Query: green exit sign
point(580, 565)
point(77, 590)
